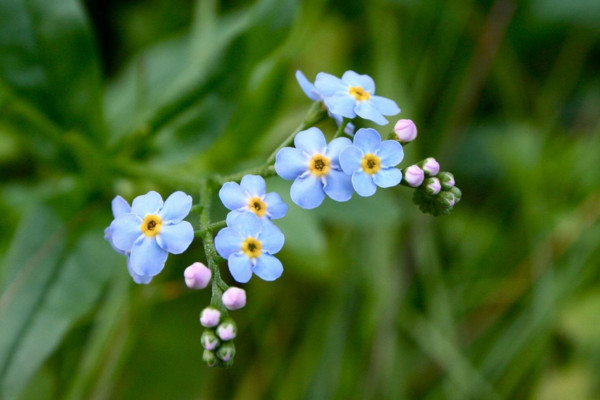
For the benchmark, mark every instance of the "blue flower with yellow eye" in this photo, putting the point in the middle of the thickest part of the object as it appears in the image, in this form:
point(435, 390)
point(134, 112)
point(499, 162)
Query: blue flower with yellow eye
point(371, 162)
point(354, 95)
point(314, 166)
point(250, 196)
point(149, 230)
point(248, 244)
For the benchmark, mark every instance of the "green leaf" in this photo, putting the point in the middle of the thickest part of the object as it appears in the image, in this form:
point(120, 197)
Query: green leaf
point(48, 58)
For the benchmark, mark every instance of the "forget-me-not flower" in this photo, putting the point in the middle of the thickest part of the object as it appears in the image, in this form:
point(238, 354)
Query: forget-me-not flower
point(150, 230)
point(248, 245)
point(371, 162)
point(314, 166)
point(354, 95)
point(250, 196)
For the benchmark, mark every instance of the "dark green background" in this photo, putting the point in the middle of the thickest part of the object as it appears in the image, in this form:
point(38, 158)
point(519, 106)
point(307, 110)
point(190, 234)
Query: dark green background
point(501, 299)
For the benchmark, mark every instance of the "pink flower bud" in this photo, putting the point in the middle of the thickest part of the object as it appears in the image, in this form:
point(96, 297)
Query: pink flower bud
point(197, 276)
point(210, 317)
point(433, 186)
point(405, 130)
point(431, 166)
point(227, 330)
point(414, 176)
point(234, 298)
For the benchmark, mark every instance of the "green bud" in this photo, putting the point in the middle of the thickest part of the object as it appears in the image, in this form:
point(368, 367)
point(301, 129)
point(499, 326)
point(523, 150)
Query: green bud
point(456, 192)
point(227, 364)
point(226, 352)
point(209, 358)
point(432, 186)
point(446, 199)
point(209, 340)
point(446, 179)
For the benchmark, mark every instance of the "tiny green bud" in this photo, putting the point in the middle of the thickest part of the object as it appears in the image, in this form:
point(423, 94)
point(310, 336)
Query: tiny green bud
point(209, 340)
point(446, 179)
point(456, 192)
point(209, 358)
point(226, 352)
point(446, 199)
point(432, 186)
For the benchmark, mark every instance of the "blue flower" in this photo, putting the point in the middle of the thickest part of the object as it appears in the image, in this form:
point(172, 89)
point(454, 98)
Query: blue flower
point(250, 196)
point(354, 95)
point(315, 168)
point(149, 230)
point(311, 91)
point(248, 245)
point(371, 162)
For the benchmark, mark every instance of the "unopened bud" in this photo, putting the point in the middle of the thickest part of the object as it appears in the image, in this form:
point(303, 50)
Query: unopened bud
point(430, 166)
point(227, 330)
point(405, 130)
point(209, 340)
point(446, 179)
point(209, 358)
point(210, 317)
point(447, 199)
point(197, 276)
point(414, 176)
point(456, 192)
point(226, 352)
point(234, 298)
point(432, 186)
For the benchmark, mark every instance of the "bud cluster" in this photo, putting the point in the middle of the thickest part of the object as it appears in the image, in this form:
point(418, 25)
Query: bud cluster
point(436, 192)
point(217, 338)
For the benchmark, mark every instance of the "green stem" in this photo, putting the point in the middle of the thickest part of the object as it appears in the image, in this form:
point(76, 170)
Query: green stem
point(341, 128)
point(211, 228)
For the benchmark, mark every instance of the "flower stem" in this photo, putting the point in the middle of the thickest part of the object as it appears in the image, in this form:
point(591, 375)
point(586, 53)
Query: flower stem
point(341, 128)
point(211, 228)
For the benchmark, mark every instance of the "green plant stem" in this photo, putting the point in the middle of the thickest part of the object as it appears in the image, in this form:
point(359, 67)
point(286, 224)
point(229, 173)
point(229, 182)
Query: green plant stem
point(341, 128)
point(217, 283)
point(211, 228)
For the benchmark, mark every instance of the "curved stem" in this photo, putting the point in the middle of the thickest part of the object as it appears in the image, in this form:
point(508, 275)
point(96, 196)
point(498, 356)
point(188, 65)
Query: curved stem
point(341, 128)
point(211, 228)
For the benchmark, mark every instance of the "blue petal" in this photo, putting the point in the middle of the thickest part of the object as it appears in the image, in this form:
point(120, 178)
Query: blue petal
point(247, 224)
point(254, 185)
point(385, 106)
point(147, 258)
point(309, 89)
point(120, 206)
point(140, 279)
point(307, 192)
point(232, 196)
point(290, 163)
point(350, 160)
point(366, 110)
point(276, 207)
point(232, 215)
point(387, 177)
point(363, 184)
point(228, 241)
point(240, 267)
point(148, 203)
point(310, 141)
point(328, 85)
point(353, 79)
point(125, 230)
point(175, 238)
point(108, 238)
point(338, 186)
point(341, 104)
point(271, 238)
point(268, 268)
point(335, 148)
point(367, 140)
point(176, 207)
point(390, 153)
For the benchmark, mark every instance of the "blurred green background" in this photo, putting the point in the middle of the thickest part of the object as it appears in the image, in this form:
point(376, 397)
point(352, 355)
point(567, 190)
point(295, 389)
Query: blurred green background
point(501, 299)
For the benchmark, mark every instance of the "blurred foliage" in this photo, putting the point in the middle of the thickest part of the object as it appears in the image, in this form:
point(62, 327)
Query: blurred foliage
point(498, 300)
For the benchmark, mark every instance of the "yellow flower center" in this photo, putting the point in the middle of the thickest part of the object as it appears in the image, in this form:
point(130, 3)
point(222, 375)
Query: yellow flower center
point(257, 206)
point(370, 163)
point(319, 165)
point(151, 225)
point(252, 247)
point(359, 93)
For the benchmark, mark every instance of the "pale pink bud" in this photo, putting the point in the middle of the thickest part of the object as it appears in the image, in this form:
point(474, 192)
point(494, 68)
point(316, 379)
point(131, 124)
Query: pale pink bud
point(414, 176)
point(197, 276)
point(433, 186)
point(431, 166)
point(405, 130)
point(234, 298)
point(227, 330)
point(210, 317)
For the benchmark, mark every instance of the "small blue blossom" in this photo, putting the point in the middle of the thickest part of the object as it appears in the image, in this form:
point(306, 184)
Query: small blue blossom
point(371, 162)
point(149, 230)
point(354, 95)
point(250, 196)
point(311, 91)
point(248, 245)
point(314, 166)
